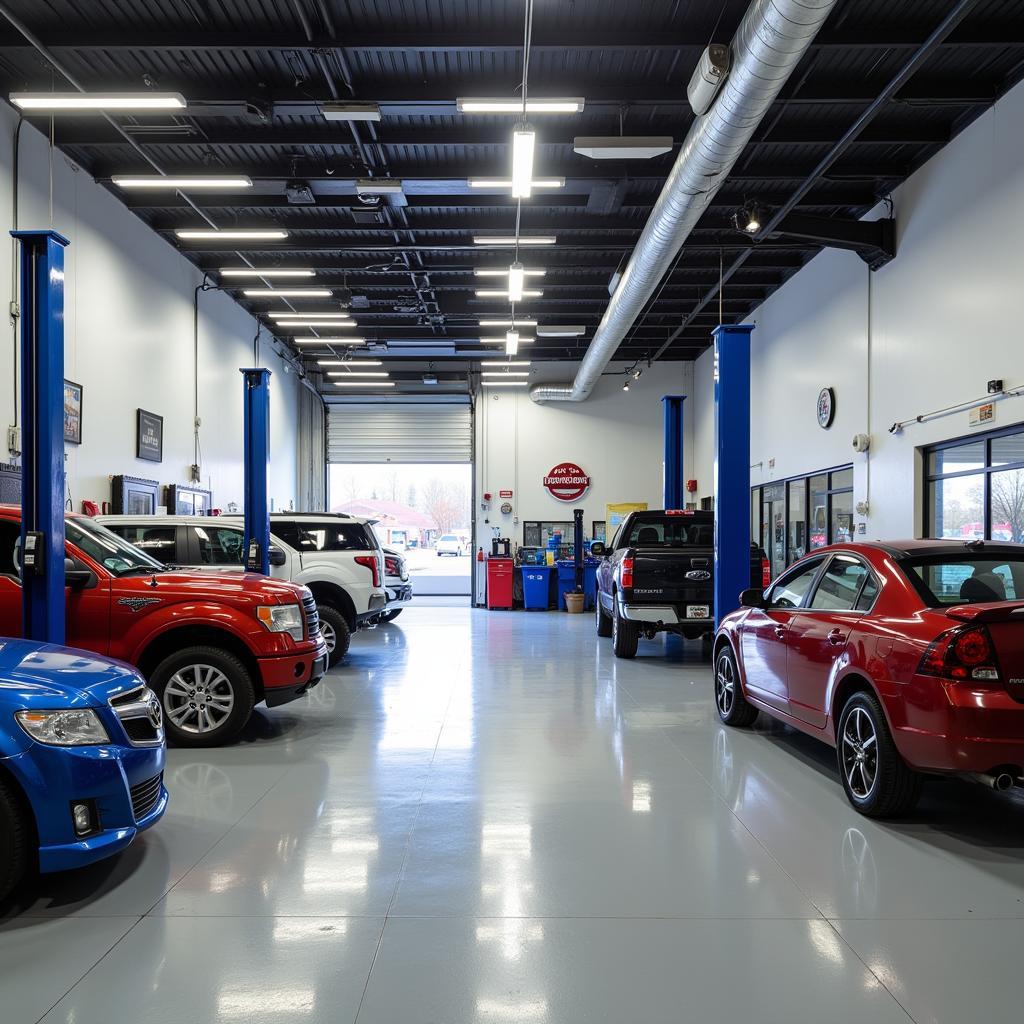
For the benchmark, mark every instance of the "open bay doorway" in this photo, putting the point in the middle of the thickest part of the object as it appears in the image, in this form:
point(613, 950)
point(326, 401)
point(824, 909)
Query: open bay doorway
point(423, 511)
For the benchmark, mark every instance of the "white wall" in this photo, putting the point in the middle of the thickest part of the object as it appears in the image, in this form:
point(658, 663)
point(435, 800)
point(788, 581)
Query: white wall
point(925, 332)
point(129, 339)
point(616, 437)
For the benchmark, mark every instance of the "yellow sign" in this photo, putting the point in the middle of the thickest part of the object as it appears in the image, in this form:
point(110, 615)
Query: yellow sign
point(614, 514)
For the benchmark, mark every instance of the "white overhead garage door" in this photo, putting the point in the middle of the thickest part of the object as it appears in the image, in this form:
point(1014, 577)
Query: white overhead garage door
point(399, 433)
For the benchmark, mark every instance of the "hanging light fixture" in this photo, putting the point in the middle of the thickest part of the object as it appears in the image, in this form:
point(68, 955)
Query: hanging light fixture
point(511, 343)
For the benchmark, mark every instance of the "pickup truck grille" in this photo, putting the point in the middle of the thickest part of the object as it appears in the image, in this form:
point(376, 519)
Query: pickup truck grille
point(145, 795)
point(140, 715)
point(312, 613)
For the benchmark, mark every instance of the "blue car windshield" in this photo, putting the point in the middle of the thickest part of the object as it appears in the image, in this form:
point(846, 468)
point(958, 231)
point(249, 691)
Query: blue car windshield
point(114, 553)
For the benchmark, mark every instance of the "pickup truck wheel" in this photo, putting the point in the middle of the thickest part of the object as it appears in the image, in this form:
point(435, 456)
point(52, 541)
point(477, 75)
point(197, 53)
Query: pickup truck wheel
point(207, 696)
point(625, 634)
point(733, 707)
point(14, 840)
point(336, 634)
point(604, 623)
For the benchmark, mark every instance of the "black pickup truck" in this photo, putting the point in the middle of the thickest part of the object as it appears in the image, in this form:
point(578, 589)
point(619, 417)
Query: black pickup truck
point(656, 576)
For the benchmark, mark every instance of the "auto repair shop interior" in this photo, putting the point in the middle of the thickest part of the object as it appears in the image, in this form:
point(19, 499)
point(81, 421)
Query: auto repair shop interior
point(511, 512)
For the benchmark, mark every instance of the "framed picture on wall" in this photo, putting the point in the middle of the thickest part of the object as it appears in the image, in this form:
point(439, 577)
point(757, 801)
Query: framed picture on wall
point(149, 433)
point(72, 412)
point(133, 496)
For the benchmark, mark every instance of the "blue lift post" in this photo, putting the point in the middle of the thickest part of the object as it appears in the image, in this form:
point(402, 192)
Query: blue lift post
point(42, 415)
point(674, 486)
point(256, 412)
point(732, 466)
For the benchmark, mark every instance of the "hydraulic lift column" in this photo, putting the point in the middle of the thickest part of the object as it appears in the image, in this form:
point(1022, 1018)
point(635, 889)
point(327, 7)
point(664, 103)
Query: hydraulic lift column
point(256, 413)
point(42, 414)
point(674, 488)
point(732, 466)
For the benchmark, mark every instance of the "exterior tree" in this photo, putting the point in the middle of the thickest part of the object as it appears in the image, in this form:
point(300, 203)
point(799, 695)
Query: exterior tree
point(1008, 502)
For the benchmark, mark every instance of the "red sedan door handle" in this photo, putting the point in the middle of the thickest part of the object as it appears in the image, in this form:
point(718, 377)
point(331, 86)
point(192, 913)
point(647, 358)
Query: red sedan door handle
point(836, 637)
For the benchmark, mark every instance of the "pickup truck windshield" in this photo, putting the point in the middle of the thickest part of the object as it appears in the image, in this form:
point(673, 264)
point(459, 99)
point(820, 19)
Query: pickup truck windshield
point(656, 531)
point(114, 553)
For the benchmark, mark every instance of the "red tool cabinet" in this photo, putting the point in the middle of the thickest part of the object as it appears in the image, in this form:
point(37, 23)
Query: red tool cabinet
point(500, 574)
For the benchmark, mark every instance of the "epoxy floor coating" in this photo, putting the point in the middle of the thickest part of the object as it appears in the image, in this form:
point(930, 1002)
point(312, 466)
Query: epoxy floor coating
point(484, 817)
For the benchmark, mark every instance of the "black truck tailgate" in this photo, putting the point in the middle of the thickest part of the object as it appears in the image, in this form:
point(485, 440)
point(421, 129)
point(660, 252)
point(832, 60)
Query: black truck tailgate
point(672, 575)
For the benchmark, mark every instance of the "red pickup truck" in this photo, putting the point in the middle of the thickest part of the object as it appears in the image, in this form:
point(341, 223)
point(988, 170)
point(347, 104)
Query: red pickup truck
point(211, 645)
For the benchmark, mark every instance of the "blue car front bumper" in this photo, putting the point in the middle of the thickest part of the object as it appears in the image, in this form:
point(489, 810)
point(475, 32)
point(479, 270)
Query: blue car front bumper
point(123, 783)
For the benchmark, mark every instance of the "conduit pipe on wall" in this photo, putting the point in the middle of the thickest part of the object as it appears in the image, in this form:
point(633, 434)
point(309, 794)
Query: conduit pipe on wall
point(772, 38)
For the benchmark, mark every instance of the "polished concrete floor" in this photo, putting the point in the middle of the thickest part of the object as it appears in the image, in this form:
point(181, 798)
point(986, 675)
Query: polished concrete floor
point(484, 817)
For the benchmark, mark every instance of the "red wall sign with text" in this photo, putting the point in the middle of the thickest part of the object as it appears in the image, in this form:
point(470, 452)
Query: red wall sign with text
point(567, 482)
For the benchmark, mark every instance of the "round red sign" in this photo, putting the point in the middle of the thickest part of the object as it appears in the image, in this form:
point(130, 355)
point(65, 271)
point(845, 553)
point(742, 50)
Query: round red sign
point(567, 482)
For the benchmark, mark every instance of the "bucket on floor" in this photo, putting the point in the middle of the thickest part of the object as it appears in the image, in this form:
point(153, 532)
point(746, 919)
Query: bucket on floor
point(574, 603)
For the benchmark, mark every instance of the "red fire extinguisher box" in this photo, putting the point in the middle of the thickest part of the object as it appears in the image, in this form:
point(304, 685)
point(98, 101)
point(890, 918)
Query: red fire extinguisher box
point(500, 575)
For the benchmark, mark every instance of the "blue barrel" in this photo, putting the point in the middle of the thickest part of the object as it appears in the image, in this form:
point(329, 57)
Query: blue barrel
point(567, 581)
point(536, 586)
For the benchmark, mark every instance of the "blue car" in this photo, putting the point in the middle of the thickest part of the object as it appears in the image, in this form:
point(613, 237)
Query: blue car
point(81, 758)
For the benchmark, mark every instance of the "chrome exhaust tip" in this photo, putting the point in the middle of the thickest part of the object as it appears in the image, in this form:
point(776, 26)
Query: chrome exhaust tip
point(1001, 781)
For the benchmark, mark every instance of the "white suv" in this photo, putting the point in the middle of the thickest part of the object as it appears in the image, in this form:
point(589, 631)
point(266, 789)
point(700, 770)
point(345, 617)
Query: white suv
point(337, 556)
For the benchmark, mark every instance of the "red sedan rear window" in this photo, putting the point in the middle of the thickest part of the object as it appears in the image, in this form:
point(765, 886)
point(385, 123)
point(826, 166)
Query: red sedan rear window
point(966, 579)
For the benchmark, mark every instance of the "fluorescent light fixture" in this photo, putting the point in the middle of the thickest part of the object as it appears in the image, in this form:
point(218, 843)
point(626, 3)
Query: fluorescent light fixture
point(516, 280)
point(498, 293)
point(192, 234)
point(514, 105)
point(378, 186)
point(289, 293)
point(310, 323)
point(344, 319)
point(343, 362)
point(511, 343)
point(72, 101)
point(358, 373)
point(364, 383)
point(505, 362)
point(524, 142)
point(502, 341)
point(350, 111)
point(505, 383)
point(505, 373)
point(329, 341)
point(272, 272)
point(622, 147)
point(507, 182)
point(189, 181)
point(511, 239)
point(508, 323)
point(502, 271)
point(570, 331)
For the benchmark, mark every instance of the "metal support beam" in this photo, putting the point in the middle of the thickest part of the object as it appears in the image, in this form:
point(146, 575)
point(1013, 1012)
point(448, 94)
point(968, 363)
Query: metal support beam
point(256, 413)
point(732, 466)
point(674, 486)
point(874, 241)
point(42, 403)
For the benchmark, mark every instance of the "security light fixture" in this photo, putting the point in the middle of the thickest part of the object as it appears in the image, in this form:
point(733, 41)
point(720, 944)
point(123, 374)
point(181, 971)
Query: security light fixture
point(507, 182)
point(232, 234)
point(364, 383)
point(256, 272)
point(184, 182)
point(498, 293)
point(505, 383)
point(290, 293)
point(625, 387)
point(508, 323)
point(748, 218)
point(512, 240)
point(378, 186)
point(622, 147)
point(71, 102)
point(524, 142)
point(350, 111)
point(514, 105)
point(502, 271)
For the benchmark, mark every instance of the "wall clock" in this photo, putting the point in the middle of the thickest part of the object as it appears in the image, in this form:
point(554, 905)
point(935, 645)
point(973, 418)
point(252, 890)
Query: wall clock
point(826, 407)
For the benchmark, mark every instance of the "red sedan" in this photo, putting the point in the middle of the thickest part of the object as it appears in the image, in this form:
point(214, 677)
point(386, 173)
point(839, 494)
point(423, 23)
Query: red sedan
point(908, 657)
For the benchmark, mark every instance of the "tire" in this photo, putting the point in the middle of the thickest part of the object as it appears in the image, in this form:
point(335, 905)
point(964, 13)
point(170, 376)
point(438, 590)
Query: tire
point(604, 622)
point(337, 635)
point(15, 839)
point(733, 708)
point(879, 786)
point(391, 615)
point(625, 635)
point(194, 672)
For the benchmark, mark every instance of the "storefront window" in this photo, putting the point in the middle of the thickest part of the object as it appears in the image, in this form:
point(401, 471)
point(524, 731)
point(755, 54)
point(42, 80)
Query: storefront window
point(819, 511)
point(797, 540)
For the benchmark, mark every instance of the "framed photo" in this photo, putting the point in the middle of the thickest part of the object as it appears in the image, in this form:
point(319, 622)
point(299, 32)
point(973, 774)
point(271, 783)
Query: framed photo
point(72, 412)
point(149, 443)
point(134, 496)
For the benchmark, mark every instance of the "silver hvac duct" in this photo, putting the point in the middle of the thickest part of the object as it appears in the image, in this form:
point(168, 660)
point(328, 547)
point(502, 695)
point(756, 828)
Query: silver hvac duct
point(769, 43)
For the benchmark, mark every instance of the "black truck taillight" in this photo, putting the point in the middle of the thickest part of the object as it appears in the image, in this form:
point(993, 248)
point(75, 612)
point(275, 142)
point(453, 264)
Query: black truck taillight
point(626, 574)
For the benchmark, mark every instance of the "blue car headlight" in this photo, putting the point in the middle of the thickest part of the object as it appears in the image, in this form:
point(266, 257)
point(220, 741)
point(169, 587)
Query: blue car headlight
point(77, 727)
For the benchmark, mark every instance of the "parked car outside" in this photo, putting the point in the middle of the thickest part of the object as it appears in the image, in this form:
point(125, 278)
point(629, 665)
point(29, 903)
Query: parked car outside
point(81, 759)
point(211, 644)
point(906, 656)
point(338, 557)
point(397, 584)
point(450, 544)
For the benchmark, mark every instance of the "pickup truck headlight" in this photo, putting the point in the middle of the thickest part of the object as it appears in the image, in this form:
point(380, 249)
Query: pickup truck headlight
point(282, 618)
point(79, 727)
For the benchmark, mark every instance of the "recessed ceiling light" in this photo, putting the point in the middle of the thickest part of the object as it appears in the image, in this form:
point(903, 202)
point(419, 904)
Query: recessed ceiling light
point(497, 293)
point(507, 182)
point(271, 272)
point(503, 272)
point(511, 240)
point(293, 293)
point(622, 147)
point(229, 233)
point(358, 373)
point(571, 331)
point(347, 362)
point(508, 323)
point(514, 105)
point(350, 111)
point(505, 383)
point(378, 186)
point(195, 181)
point(72, 101)
point(504, 373)
point(364, 383)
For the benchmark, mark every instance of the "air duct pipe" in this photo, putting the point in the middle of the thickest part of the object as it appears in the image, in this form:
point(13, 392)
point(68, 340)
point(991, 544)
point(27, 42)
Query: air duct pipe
point(768, 45)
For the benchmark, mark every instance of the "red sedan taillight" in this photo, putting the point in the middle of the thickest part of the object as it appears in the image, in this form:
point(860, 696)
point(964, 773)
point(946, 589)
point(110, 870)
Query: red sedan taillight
point(370, 561)
point(963, 653)
point(626, 575)
point(766, 573)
